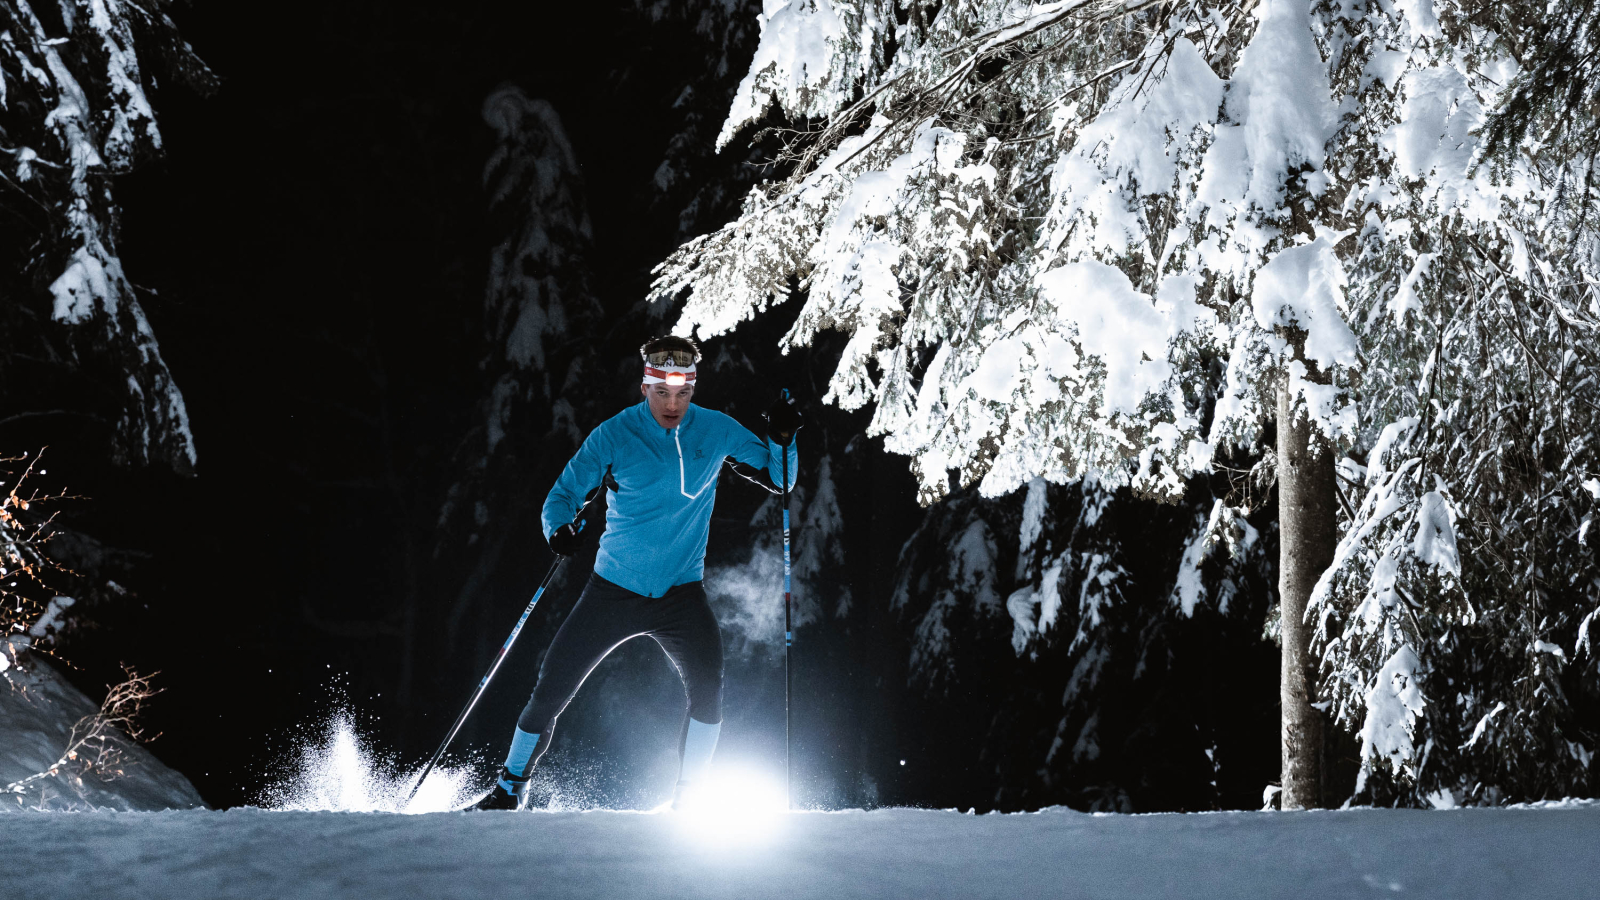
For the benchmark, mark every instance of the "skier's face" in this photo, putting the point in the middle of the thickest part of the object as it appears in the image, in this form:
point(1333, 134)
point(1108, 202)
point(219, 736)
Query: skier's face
point(667, 402)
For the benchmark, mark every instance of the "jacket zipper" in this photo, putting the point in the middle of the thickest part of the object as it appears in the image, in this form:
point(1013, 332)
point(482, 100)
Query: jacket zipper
point(683, 487)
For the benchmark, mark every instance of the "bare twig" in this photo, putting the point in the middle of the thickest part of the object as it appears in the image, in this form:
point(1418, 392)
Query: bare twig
point(95, 744)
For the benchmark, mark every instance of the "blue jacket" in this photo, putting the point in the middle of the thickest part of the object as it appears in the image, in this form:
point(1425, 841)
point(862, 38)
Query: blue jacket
point(658, 521)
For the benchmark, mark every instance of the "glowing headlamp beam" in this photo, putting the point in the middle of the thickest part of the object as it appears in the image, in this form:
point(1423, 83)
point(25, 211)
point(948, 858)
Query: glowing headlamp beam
point(675, 378)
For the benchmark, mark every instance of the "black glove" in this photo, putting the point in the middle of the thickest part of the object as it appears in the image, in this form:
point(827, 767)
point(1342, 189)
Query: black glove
point(783, 420)
point(565, 541)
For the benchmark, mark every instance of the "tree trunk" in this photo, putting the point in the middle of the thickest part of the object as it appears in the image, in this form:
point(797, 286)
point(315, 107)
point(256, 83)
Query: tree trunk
point(1307, 538)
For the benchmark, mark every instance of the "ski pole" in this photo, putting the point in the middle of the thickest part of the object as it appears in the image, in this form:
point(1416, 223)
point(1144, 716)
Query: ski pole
point(788, 643)
point(499, 658)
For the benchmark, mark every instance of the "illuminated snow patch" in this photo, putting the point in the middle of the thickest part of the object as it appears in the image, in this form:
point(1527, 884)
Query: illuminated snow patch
point(735, 806)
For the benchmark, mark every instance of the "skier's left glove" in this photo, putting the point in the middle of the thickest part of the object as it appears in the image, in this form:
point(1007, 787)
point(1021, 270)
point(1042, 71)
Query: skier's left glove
point(565, 540)
point(783, 420)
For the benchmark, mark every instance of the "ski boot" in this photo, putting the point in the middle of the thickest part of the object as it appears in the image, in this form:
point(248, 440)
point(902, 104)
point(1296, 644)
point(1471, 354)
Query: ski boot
point(507, 794)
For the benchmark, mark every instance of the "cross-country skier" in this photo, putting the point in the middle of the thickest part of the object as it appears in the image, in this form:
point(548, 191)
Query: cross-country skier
point(663, 457)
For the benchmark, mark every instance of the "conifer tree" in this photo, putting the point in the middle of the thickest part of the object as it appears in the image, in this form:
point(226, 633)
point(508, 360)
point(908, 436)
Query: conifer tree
point(75, 111)
point(1133, 240)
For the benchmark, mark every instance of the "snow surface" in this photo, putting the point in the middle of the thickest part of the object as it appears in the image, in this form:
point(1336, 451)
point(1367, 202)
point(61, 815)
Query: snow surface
point(37, 710)
point(1456, 854)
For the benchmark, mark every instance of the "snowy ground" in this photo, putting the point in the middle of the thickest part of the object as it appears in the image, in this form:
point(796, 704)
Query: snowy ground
point(334, 835)
point(252, 853)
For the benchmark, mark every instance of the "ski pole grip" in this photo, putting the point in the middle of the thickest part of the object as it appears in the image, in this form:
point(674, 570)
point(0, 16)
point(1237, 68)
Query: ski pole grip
point(783, 419)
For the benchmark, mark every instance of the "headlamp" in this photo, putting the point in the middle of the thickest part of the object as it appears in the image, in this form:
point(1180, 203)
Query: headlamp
point(671, 375)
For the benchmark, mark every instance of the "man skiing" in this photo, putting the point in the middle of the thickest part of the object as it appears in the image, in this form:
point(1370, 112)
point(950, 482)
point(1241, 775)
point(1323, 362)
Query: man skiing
point(659, 462)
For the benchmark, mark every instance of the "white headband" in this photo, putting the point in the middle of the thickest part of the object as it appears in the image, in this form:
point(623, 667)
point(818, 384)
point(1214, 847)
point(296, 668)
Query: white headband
point(669, 374)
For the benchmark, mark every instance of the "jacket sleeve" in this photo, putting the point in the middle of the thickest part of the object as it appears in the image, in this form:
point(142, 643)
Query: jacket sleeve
point(584, 473)
point(763, 453)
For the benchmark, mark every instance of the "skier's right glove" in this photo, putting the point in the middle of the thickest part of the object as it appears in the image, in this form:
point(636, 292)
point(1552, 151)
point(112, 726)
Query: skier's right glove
point(564, 541)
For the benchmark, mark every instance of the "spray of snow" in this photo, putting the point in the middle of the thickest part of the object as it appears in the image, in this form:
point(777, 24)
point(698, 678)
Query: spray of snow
point(338, 771)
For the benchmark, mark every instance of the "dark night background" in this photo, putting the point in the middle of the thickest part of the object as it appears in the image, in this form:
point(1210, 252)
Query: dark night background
point(313, 252)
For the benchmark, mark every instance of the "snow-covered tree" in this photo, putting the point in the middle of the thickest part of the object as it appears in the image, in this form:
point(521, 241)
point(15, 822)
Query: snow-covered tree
point(538, 390)
point(1134, 240)
point(1455, 621)
point(75, 111)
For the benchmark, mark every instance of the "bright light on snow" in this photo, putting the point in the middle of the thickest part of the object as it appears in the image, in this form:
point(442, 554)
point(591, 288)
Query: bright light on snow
point(736, 805)
point(339, 773)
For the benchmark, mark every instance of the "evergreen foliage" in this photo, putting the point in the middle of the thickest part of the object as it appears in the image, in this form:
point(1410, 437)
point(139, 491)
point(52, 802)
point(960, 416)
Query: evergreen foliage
point(75, 111)
point(1093, 239)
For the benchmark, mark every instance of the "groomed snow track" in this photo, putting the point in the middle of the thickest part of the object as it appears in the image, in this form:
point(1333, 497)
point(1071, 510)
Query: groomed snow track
point(918, 854)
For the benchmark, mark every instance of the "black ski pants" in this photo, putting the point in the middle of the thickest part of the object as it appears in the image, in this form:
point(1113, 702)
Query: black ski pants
point(607, 614)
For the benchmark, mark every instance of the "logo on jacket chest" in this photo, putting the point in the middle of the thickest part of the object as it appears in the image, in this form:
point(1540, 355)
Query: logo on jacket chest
point(699, 453)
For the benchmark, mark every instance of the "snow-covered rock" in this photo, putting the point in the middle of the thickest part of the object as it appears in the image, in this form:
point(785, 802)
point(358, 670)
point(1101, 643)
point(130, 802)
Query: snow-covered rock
point(38, 708)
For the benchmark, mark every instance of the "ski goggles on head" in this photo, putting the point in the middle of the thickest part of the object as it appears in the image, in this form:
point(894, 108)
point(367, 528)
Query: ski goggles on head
point(661, 359)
